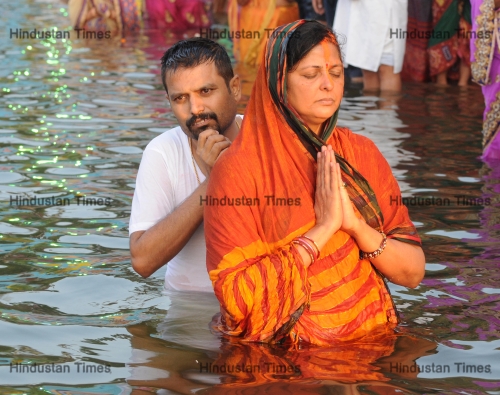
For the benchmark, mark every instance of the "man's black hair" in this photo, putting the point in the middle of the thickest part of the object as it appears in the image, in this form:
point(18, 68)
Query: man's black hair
point(194, 52)
point(304, 39)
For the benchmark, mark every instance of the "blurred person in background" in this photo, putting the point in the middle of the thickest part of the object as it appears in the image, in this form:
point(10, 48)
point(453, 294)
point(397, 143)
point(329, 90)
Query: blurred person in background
point(118, 17)
point(254, 21)
point(124, 17)
point(449, 41)
point(178, 15)
point(416, 61)
point(375, 39)
point(326, 7)
point(485, 59)
point(309, 10)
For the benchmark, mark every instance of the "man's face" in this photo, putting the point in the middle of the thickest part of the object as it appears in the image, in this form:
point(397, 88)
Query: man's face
point(200, 99)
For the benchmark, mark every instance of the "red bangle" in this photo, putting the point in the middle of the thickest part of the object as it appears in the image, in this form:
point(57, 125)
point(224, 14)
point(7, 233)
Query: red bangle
point(314, 244)
point(309, 249)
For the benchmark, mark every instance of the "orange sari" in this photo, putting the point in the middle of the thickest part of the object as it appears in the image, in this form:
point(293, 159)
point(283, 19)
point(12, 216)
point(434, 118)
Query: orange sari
point(254, 22)
point(261, 195)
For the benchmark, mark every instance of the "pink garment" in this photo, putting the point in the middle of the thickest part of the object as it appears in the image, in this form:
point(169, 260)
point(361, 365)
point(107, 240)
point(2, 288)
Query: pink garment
point(178, 14)
point(485, 59)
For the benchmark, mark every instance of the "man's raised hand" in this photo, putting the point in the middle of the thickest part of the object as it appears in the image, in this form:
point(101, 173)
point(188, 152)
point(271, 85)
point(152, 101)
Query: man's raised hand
point(210, 146)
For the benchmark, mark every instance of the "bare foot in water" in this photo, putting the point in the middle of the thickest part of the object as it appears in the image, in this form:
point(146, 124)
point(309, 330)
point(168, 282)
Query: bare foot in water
point(441, 79)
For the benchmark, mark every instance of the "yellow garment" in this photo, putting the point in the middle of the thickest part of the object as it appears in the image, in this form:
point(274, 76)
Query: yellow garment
point(253, 23)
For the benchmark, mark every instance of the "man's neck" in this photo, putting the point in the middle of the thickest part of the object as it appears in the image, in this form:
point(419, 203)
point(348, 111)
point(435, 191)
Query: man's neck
point(234, 129)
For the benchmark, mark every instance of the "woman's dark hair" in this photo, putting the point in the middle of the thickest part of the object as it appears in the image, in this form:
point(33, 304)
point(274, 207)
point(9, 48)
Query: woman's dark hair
point(305, 38)
point(194, 52)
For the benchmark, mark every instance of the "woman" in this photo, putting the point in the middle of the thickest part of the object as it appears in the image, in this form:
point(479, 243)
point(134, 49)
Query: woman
point(178, 15)
point(252, 21)
point(449, 42)
point(114, 17)
point(416, 61)
point(485, 58)
point(270, 208)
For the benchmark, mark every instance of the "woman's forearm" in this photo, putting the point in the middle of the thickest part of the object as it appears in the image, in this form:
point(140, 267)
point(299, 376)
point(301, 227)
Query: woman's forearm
point(401, 263)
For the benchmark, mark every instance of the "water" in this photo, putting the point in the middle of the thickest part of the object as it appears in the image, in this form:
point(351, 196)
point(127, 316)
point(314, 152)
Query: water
point(74, 119)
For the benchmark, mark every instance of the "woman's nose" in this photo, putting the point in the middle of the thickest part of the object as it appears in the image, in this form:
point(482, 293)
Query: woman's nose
point(327, 81)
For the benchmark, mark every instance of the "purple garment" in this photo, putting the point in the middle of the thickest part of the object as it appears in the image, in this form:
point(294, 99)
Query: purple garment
point(483, 41)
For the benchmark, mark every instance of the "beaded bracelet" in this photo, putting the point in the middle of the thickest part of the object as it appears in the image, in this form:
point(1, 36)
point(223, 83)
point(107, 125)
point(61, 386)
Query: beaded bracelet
point(376, 253)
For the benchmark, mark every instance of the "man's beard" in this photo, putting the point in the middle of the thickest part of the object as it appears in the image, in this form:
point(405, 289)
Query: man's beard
point(195, 132)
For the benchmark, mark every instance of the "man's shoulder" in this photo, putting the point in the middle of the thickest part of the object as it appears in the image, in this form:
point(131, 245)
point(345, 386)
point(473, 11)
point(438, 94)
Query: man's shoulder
point(171, 139)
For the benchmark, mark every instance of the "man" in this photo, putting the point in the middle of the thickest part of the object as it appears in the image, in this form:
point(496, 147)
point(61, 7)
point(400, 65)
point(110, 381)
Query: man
point(165, 222)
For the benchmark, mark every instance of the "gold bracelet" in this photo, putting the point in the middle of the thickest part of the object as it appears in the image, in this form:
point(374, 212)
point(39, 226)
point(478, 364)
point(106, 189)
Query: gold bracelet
point(377, 252)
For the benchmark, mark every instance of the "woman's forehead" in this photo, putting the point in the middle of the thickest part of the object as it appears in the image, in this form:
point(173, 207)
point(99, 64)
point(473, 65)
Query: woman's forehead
point(322, 54)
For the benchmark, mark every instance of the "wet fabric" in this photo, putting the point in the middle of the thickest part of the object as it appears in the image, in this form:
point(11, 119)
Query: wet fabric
point(251, 25)
point(261, 195)
point(485, 58)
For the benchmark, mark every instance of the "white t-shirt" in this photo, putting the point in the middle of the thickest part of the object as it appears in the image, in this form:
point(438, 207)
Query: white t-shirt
point(165, 179)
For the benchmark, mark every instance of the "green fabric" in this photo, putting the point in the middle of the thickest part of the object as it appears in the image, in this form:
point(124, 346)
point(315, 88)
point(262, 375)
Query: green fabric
point(467, 14)
point(447, 26)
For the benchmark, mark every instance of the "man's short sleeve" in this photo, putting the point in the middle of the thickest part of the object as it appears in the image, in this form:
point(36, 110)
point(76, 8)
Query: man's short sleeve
point(154, 194)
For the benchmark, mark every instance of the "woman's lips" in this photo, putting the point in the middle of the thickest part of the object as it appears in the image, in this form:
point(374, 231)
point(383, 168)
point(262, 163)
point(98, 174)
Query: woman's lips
point(326, 101)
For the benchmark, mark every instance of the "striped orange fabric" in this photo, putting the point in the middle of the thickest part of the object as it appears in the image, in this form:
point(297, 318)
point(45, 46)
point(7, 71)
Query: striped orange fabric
point(261, 196)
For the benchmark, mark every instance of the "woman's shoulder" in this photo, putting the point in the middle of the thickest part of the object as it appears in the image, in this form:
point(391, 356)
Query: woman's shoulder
point(230, 166)
point(360, 143)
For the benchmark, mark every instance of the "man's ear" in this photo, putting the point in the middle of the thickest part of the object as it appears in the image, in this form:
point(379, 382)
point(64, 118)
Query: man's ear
point(235, 87)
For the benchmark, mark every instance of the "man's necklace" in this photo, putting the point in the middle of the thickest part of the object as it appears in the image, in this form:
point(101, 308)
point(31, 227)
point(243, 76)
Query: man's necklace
point(192, 156)
point(194, 164)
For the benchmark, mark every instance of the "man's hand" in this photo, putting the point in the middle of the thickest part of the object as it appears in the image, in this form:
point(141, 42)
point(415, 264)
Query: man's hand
point(210, 146)
point(318, 7)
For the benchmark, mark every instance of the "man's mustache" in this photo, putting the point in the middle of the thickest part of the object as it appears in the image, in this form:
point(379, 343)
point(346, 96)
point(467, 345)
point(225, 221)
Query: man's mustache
point(201, 117)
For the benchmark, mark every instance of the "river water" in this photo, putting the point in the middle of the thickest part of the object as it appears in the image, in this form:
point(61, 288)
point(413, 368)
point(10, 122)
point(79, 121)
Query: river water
point(75, 116)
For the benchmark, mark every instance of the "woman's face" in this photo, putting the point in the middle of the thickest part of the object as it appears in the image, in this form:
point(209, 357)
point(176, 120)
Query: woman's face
point(316, 85)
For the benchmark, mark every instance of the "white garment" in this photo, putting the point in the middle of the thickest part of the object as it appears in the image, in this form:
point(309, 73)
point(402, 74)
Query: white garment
point(367, 26)
point(165, 179)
